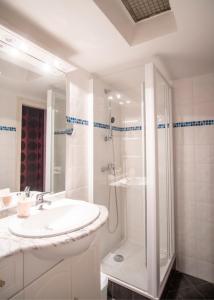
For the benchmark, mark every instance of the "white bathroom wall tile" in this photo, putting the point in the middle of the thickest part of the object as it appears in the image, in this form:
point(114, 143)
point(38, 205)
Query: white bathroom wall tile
point(135, 217)
point(185, 172)
point(204, 110)
point(203, 251)
point(79, 155)
point(78, 178)
point(186, 226)
point(183, 111)
point(194, 173)
point(184, 246)
point(204, 135)
point(184, 154)
point(203, 88)
point(184, 135)
point(78, 94)
point(178, 136)
point(189, 135)
point(204, 173)
point(78, 193)
point(204, 192)
point(187, 265)
point(132, 145)
point(205, 270)
point(205, 229)
point(204, 154)
point(103, 155)
point(183, 90)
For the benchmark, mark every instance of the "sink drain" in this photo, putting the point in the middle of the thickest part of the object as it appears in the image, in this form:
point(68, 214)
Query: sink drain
point(119, 258)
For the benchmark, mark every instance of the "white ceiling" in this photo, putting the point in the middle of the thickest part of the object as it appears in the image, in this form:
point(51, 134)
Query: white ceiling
point(78, 31)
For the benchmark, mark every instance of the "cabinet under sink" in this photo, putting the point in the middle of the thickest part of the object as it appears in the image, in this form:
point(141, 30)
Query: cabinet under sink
point(27, 277)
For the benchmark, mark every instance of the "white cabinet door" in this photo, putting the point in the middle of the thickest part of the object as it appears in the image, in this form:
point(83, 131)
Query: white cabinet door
point(11, 276)
point(53, 285)
point(86, 275)
point(35, 267)
point(19, 296)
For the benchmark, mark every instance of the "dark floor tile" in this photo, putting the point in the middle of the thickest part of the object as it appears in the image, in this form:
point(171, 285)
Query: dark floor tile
point(207, 290)
point(195, 281)
point(119, 292)
point(178, 281)
point(179, 287)
point(190, 293)
point(109, 290)
point(136, 296)
point(171, 295)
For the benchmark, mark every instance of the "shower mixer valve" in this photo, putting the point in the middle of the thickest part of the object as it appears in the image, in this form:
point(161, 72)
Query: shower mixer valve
point(108, 168)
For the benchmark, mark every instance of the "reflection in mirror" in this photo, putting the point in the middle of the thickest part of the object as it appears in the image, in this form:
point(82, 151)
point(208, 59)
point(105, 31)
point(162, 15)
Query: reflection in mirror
point(32, 123)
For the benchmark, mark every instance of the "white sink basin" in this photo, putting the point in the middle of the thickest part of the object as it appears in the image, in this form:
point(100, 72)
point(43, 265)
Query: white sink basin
point(61, 217)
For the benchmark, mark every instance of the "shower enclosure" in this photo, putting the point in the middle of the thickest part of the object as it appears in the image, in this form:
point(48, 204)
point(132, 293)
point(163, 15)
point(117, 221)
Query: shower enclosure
point(133, 177)
point(55, 141)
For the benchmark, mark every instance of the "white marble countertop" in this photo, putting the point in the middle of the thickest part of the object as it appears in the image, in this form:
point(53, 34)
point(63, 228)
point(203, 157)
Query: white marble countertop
point(11, 244)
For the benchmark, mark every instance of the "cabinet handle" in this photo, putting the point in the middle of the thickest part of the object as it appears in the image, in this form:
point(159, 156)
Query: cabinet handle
point(2, 283)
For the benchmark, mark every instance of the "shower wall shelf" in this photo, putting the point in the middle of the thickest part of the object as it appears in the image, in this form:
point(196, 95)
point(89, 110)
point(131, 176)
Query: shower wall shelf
point(129, 182)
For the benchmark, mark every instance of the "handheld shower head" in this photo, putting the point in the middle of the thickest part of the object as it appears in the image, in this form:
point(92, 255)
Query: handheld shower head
point(112, 120)
point(109, 136)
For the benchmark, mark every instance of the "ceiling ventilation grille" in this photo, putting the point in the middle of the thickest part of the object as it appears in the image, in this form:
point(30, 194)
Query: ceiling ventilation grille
point(143, 9)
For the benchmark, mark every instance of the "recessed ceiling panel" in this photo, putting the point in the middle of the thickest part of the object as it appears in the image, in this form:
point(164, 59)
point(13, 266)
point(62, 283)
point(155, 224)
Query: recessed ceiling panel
point(143, 9)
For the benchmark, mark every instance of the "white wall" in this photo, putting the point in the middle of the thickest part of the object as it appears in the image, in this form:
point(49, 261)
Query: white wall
point(194, 176)
point(77, 145)
point(8, 139)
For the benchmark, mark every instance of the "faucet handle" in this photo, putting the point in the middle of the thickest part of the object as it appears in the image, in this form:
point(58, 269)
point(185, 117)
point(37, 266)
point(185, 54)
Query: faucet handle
point(27, 191)
point(39, 197)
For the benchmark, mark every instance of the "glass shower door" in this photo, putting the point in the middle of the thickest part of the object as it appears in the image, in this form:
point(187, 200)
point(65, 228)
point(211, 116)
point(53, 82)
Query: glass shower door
point(159, 174)
point(164, 124)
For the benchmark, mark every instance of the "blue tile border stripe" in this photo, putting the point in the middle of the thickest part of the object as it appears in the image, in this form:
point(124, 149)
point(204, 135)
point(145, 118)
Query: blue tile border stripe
point(194, 123)
point(74, 120)
point(101, 125)
point(7, 128)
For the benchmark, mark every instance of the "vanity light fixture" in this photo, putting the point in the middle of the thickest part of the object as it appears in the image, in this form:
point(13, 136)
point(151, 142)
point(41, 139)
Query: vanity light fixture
point(14, 52)
point(15, 44)
point(46, 68)
point(56, 63)
point(23, 46)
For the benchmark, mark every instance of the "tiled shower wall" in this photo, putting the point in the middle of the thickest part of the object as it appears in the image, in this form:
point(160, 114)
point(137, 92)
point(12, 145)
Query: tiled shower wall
point(132, 149)
point(194, 176)
point(103, 193)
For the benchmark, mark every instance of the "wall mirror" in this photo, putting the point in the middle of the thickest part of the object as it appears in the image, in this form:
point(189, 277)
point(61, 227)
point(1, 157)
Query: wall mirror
point(32, 121)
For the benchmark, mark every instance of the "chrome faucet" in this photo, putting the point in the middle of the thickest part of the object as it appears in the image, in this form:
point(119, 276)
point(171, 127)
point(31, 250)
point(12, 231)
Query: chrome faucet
point(41, 201)
point(27, 191)
point(109, 168)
